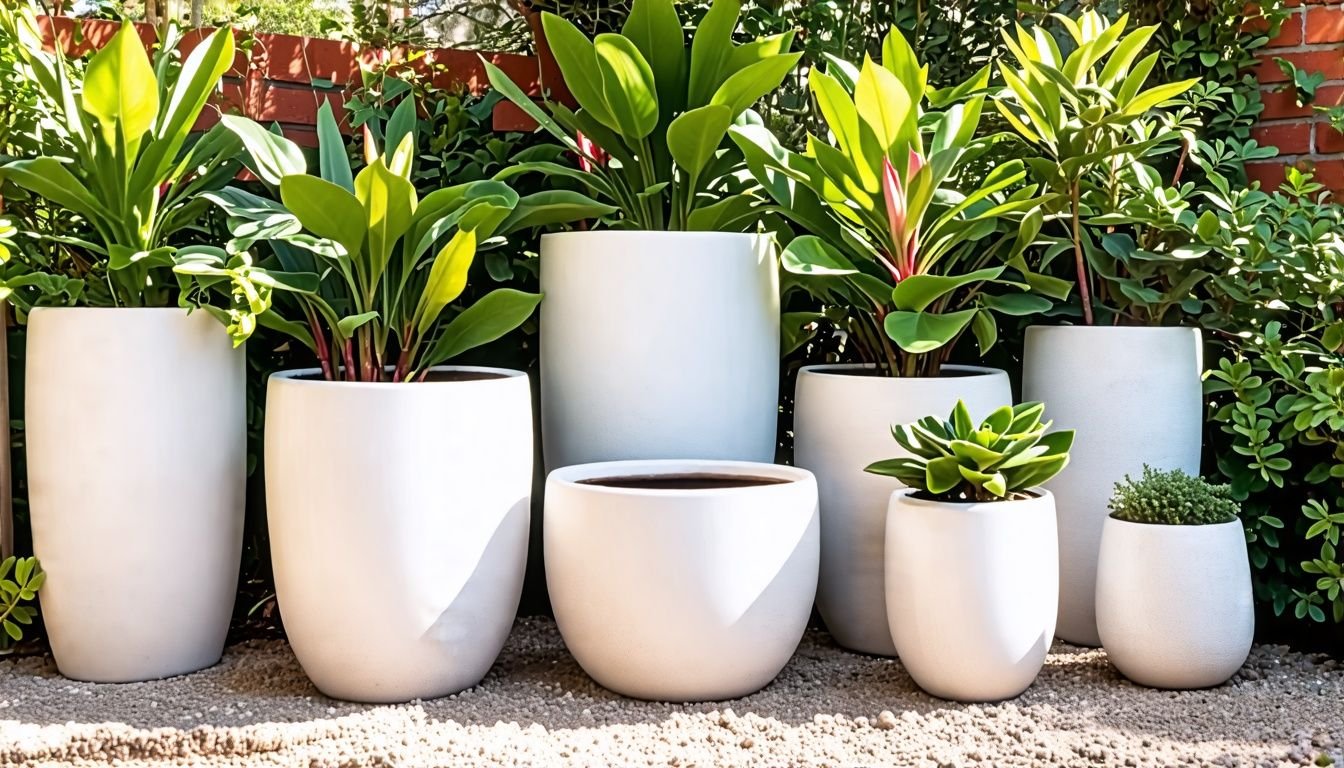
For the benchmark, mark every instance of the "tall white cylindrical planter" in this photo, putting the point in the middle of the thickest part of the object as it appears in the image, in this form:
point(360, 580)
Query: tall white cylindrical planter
point(398, 519)
point(972, 591)
point(842, 423)
point(137, 466)
point(1174, 603)
point(1133, 396)
point(681, 580)
point(658, 345)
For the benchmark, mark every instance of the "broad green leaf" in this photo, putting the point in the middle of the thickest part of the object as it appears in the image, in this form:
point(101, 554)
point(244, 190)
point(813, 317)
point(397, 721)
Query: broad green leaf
point(693, 137)
point(447, 278)
point(347, 326)
point(553, 206)
point(887, 108)
point(942, 474)
point(272, 157)
point(577, 58)
point(810, 255)
point(197, 80)
point(497, 313)
point(510, 90)
point(711, 49)
point(120, 89)
point(400, 126)
point(627, 83)
point(1017, 304)
point(746, 86)
point(859, 144)
point(49, 178)
point(326, 210)
point(389, 203)
point(333, 163)
point(899, 59)
point(916, 292)
point(920, 332)
point(655, 29)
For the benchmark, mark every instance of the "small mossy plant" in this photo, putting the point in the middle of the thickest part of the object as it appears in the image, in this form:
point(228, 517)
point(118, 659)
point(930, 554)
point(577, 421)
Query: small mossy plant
point(1172, 498)
point(1008, 454)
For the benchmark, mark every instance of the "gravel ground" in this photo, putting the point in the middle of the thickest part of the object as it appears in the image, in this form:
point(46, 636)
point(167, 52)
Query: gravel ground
point(828, 708)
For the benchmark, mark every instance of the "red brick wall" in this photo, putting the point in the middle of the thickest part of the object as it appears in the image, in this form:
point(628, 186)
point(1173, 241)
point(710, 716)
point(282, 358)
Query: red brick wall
point(1312, 38)
point(286, 78)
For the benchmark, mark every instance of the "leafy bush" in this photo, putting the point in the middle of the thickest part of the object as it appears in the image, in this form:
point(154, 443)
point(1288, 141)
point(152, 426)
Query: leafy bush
point(1172, 498)
point(1007, 455)
point(14, 592)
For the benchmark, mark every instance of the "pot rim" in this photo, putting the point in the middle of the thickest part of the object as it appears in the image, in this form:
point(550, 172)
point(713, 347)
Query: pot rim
point(291, 376)
point(1178, 526)
point(642, 233)
point(183, 310)
point(830, 369)
point(571, 476)
point(1116, 328)
point(907, 496)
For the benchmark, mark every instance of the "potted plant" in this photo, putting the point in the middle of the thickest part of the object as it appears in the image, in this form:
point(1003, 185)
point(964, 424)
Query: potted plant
point(1174, 604)
point(135, 407)
point(1126, 373)
point(972, 572)
point(907, 251)
point(681, 580)
point(384, 454)
point(660, 333)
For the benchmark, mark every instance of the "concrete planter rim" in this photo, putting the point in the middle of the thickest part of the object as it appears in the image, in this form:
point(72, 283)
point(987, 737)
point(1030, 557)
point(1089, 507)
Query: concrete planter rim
point(293, 377)
point(975, 508)
point(572, 476)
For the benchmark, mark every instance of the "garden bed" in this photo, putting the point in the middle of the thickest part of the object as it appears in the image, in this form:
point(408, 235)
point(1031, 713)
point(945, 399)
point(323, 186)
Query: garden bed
point(536, 707)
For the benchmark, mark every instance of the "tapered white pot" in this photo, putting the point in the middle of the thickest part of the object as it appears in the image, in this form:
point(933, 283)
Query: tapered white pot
point(658, 345)
point(137, 466)
point(972, 592)
point(842, 423)
point(1174, 606)
point(681, 593)
point(398, 518)
point(1133, 396)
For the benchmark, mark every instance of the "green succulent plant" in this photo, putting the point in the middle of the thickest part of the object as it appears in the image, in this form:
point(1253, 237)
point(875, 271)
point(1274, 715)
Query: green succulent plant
point(1172, 498)
point(1009, 453)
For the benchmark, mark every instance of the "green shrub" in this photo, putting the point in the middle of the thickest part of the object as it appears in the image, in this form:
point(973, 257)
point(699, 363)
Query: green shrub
point(1172, 498)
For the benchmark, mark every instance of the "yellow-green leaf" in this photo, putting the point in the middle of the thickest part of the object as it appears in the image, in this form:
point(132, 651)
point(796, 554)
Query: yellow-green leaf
point(447, 277)
point(120, 89)
point(887, 108)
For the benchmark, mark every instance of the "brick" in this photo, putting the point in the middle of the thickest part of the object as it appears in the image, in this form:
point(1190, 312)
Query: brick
point(1328, 140)
point(1292, 138)
point(508, 117)
point(1290, 32)
point(1280, 104)
point(1268, 172)
point(1325, 24)
point(1328, 172)
point(1330, 62)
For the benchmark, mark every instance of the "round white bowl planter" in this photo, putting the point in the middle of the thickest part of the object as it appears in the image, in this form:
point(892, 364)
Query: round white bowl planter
point(137, 467)
point(842, 423)
point(658, 345)
point(1174, 604)
point(972, 591)
point(681, 580)
point(1133, 396)
point(398, 519)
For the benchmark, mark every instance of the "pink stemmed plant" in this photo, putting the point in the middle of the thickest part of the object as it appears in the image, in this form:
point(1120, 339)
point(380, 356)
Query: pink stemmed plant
point(903, 259)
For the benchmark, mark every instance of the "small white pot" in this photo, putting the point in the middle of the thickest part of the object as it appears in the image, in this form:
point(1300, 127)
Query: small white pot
point(842, 423)
point(399, 519)
point(681, 594)
point(1133, 396)
point(658, 345)
point(137, 467)
point(971, 592)
point(1174, 604)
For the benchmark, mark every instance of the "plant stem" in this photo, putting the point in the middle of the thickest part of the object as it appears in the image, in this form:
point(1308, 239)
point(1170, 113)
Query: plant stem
point(1084, 291)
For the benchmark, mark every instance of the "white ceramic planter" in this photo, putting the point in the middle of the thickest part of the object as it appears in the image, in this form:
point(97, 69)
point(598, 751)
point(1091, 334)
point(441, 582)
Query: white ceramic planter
point(842, 423)
point(972, 591)
point(681, 594)
point(398, 518)
point(658, 345)
point(1174, 605)
point(1134, 397)
point(137, 466)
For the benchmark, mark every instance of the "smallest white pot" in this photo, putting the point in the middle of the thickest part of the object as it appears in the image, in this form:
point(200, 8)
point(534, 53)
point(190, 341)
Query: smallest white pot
point(681, 580)
point(1174, 605)
point(972, 592)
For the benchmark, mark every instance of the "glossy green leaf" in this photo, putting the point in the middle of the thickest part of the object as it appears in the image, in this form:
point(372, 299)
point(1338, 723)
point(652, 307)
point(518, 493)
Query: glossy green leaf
point(389, 203)
point(120, 89)
point(746, 86)
point(920, 332)
point(627, 82)
point(916, 292)
point(577, 58)
point(655, 29)
point(711, 49)
point(447, 278)
point(494, 315)
point(810, 255)
point(326, 210)
point(693, 137)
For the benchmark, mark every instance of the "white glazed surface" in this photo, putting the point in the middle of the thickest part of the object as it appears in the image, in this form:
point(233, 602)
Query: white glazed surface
point(1133, 395)
point(842, 423)
point(137, 461)
point(658, 345)
point(1174, 605)
point(681, 595)
point(972, 591)
point(399, 524)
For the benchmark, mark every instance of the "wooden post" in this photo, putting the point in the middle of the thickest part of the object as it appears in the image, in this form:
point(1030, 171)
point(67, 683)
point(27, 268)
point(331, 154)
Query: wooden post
point(6, 466)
